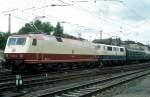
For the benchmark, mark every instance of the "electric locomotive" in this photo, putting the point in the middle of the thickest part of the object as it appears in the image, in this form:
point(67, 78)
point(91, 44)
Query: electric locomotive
point(39, 51)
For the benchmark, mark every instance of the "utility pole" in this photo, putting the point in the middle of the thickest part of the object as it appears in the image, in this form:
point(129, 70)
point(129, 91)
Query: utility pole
point(79, 35)
point(8, 12)
point(101, 33)
point(9, 23)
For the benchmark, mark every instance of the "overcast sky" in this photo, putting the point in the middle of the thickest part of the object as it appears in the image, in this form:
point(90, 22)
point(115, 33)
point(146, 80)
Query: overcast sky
point(128, 19)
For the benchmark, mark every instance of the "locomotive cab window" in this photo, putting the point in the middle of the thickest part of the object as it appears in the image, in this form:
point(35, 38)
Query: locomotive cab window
point(12, 41)
point(21, 41)
point(17, 41)
point(34, 43)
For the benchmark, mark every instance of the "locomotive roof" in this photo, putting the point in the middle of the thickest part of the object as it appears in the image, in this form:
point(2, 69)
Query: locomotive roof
point(108, 45)
point(48, 37)
point(36, 36)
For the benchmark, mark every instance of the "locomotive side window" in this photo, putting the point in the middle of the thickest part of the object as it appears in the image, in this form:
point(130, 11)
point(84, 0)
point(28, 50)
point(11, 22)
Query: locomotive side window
point(59, 39)
point(34, 43)
point(104, 48)
point(121, 50)
point(114, 49)
point(97, 47)
point(12, 41)
point(118, 49)
point(21, 41)
point(109, 48)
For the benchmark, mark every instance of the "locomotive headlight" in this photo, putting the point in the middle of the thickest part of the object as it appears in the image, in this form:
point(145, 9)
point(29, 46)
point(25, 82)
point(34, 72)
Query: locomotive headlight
point(6, 55)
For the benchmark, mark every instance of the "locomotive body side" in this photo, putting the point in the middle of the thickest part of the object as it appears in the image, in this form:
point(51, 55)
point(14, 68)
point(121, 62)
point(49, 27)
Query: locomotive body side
point(66, 50)
point(111, 55)
point(47, 50)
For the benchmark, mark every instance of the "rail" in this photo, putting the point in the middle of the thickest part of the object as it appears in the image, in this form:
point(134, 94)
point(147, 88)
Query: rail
point(86, 88)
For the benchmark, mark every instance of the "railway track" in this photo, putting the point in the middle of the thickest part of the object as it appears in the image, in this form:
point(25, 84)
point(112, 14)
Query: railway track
point(34, 82)
point(51, 78)
point(8, 76)
point(88, 88)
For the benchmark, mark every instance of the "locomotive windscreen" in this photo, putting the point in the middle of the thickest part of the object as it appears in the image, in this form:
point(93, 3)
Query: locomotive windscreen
point(16, 41)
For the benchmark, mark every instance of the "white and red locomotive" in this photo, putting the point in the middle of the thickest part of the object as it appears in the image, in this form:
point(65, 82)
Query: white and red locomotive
point(48, 52)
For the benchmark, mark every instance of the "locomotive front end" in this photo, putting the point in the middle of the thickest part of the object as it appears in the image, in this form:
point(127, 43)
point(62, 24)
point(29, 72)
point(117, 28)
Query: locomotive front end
point(14, 52)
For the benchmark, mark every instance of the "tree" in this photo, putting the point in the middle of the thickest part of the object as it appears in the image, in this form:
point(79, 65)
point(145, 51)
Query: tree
point(36, 27)
point(58, 31)
point(28, 28)
point(3, 40)
point(47, 28)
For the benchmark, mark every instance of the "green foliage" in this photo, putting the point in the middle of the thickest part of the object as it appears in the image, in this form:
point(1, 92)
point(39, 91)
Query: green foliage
point(36, 28)
point(3, 40)
point(47, 28)
point(58, 31)
point(26, 29)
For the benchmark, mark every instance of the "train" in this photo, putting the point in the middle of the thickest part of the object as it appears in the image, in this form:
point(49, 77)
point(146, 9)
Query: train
point(47, 52)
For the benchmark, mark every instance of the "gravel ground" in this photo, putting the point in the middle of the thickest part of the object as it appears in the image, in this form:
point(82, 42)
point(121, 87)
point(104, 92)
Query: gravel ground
point(141, 89)
point(137, 88)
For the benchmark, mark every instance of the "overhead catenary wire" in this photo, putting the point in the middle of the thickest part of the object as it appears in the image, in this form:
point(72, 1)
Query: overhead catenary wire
point(135, 13)
point(62, 20)
point(35, 28)
point(65, 3)
point(32, 25)
point(33, 8)
point(57, 18)
point(95, 16)
point(132, 28)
